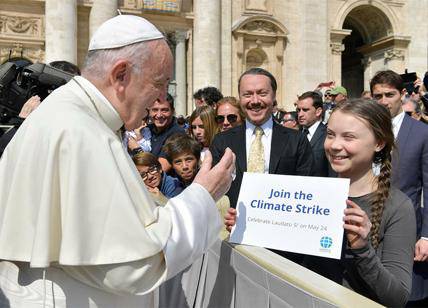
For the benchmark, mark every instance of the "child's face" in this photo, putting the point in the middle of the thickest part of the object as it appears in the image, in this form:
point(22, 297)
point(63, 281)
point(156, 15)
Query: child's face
point(151, 175)
point(350, 145)
point(186, 166)
point(198, 131)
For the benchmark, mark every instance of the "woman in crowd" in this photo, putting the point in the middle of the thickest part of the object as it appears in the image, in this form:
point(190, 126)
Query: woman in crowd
point(379, 221)
point(157, 182)
point(229, 113)
point(203, 127)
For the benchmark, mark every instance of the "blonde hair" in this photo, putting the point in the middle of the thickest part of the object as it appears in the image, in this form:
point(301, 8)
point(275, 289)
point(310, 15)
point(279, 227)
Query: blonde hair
point(234, 103)
point(207, 115)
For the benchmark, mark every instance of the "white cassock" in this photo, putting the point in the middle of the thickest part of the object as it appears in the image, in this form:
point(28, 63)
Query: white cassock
point(77, 226)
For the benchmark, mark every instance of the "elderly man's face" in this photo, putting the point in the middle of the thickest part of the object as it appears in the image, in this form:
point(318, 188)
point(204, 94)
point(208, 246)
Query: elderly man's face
point(151, 85)
point(256, 98)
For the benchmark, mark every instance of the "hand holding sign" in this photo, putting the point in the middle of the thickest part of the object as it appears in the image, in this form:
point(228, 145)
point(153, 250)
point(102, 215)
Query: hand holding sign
point(292, 213)
point(357, 225)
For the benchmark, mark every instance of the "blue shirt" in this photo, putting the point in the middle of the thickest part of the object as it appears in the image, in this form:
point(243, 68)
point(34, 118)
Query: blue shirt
point(158, 139)
point(170, 186)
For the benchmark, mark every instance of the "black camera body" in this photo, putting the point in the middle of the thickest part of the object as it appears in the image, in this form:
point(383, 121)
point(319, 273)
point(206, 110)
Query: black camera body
point(18, 84)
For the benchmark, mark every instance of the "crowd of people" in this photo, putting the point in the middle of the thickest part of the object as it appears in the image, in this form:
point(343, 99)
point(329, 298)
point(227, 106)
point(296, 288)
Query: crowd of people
point(378, 141)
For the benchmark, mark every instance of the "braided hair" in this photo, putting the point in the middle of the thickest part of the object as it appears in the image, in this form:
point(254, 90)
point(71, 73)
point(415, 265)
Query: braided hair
point(378, 119)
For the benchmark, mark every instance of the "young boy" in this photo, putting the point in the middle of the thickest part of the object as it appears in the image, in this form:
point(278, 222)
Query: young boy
point(183, 153)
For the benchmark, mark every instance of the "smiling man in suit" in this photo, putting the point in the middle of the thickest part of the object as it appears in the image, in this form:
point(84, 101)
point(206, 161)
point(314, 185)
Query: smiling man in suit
point(409, 170)
point(261, 145)
point(309, 113)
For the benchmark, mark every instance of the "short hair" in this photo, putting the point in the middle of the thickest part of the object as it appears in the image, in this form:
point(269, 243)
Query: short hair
point(259, 71)
point(233, 102)
point(98, 62)
point(207, 115)
point(146, 159)
point(211, 95)
point(389, 78)
point(316, 98)
point(66, 67)
point(170, 100)
point(179, 144)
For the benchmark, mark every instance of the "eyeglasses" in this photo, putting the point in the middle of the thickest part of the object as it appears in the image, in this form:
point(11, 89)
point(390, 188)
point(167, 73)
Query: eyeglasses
point(152, 170)
point(231, 118)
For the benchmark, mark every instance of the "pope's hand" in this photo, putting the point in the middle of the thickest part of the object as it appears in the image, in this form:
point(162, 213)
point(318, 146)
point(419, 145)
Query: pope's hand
point(216, 180)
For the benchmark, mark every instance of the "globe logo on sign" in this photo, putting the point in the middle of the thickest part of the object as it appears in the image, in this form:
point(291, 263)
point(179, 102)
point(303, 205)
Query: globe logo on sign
point(326, 242)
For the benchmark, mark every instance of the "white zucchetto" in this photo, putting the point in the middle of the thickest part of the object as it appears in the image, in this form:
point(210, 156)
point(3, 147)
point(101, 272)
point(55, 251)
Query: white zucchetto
point(123, 30)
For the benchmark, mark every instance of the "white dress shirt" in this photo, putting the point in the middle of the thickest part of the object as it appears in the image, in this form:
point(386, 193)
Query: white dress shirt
point(396, 123)
point(312, 130)
point(266, 139)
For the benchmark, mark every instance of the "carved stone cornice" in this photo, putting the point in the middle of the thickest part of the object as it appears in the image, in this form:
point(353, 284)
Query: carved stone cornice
point(390, 42)
point(18, 50)
point(22, 26)
point(181, 35)
point(260, 26)
point(263, 26)
point(337, 48)
point(393, 54)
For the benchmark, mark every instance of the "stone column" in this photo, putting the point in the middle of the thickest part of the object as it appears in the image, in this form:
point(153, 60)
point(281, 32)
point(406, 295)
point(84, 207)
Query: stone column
point(101, 11)
point(180, 71)
point(366, 62)
point(336, 38)
point(206, 44)
point(226, 48)
point(61, 30)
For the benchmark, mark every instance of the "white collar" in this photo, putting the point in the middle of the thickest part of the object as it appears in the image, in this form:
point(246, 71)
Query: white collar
point(396, 122)
point(102, 105)
point(313, 128)
point(266, 126)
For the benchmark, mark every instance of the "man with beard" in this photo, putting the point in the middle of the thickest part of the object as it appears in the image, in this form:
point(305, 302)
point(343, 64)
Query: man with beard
point(260, 144)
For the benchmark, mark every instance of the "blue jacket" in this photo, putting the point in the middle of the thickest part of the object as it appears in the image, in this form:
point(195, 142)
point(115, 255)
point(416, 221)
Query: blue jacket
point(170, 186)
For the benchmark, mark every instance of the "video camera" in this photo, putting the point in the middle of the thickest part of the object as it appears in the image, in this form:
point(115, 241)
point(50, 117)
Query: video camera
point(18, 84)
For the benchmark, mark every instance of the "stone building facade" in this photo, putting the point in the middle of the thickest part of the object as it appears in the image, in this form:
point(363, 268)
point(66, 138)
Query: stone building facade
point(302, 42)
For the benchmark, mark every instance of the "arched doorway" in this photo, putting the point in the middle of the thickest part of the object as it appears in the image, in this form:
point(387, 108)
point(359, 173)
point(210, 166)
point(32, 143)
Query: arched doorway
point(363, 41)
point(352, 62)
point(369, 25)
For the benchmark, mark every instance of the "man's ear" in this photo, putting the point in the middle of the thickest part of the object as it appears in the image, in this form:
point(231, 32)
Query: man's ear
point(318, 111)
point(120, 75)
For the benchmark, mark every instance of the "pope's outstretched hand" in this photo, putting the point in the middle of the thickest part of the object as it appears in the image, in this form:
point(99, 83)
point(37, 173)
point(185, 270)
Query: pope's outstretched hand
point(216, 180)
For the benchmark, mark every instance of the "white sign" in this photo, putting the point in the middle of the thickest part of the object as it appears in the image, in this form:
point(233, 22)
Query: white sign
point(292, 213)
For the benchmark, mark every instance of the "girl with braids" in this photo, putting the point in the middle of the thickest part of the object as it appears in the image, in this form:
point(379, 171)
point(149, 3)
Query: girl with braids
point(379, 221)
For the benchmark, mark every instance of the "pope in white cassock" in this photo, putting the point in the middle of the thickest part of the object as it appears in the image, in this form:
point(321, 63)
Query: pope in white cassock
point(77, 226)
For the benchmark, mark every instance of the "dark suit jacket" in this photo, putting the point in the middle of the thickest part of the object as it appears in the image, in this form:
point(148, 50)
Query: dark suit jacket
point(321, 164)
point(410, 167)
point(410, 175)
point(290, 154)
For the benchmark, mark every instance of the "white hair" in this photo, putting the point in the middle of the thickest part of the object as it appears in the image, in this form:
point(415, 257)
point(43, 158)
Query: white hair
point(98, 62)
